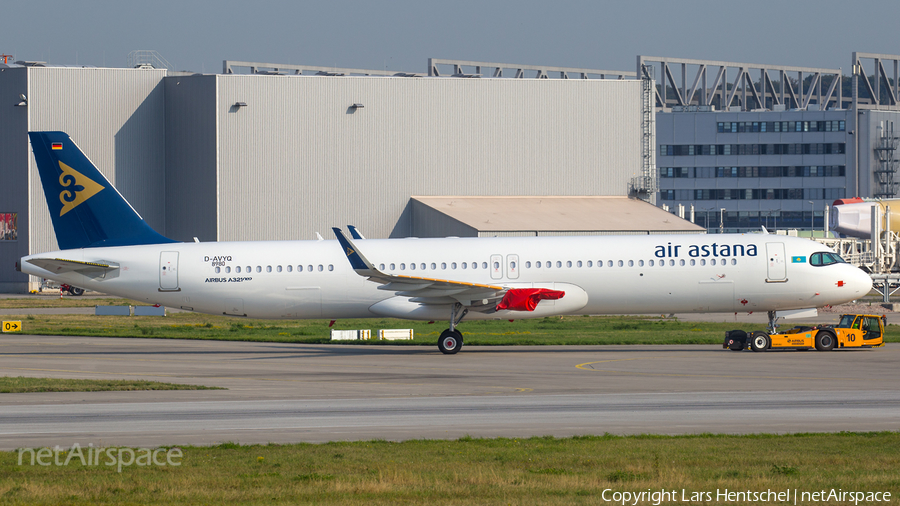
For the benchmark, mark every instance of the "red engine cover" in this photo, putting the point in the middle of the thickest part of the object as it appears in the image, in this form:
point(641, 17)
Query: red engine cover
point(526, 299)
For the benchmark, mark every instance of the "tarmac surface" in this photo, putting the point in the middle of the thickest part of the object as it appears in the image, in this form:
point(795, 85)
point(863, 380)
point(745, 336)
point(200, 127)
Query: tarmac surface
point(314, 393)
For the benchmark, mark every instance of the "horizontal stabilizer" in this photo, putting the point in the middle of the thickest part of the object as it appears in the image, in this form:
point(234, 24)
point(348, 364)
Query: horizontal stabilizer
point(60, 265)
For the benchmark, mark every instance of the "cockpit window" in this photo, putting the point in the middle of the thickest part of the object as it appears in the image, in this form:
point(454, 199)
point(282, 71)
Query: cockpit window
point(825, 258)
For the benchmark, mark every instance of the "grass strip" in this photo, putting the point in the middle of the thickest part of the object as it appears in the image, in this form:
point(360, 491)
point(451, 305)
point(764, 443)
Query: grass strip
point(67, 301)
point(541, 470)
point(22, 384)
point(569, 330)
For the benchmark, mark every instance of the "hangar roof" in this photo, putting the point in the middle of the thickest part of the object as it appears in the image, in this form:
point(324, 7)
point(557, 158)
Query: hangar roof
point(559, 214)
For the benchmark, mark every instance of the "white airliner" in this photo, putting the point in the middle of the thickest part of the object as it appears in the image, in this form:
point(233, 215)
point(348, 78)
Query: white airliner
point(106, 246)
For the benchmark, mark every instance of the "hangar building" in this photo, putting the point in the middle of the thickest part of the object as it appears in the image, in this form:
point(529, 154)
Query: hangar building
point(274, 156)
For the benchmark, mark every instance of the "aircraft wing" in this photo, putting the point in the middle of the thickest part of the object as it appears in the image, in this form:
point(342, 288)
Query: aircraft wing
point(61, 265)
point(420, 289)
point(476, 296)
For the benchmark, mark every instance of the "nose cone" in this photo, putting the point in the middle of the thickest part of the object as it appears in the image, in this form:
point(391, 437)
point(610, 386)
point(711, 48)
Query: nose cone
point(859, 282)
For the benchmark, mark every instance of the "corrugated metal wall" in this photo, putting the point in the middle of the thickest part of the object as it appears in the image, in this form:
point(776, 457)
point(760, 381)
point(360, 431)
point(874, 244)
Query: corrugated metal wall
point(14, 154)
point(299, 159)
point(117, 117)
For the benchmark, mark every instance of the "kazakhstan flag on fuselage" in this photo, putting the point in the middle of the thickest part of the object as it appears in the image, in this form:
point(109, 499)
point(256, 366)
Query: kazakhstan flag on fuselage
point(798, 260)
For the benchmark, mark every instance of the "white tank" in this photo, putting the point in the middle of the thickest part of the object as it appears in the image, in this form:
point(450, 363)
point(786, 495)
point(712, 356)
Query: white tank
point(855, 219)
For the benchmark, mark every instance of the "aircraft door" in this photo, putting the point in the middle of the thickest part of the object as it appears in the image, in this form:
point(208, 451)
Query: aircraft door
point(777, 265)
point(168, 271)
point(496, 266)
point(512, 266)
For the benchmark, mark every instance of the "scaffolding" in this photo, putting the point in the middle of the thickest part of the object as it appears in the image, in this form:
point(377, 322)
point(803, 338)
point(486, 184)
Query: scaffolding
point(885, 151)
point(644, 186)
point(147, 59)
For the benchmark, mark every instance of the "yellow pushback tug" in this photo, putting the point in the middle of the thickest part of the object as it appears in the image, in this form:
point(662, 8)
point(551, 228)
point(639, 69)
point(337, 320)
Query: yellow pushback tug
point(853, 331)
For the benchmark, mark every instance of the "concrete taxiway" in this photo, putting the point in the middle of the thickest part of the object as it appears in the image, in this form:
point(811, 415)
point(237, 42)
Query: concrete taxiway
point(291, 392)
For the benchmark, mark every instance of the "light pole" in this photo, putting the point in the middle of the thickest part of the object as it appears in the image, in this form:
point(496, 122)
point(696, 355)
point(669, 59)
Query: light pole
point(722, 220)
point(812, 216)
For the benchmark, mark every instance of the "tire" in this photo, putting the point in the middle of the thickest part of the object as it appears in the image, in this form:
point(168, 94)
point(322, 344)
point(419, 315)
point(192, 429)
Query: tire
point(825, 341)
point(450, 342)
point(76, 291)
point(759, 341)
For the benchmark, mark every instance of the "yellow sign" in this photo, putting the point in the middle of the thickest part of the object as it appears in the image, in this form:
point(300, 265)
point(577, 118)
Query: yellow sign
point(76, 188)
point(12, 326)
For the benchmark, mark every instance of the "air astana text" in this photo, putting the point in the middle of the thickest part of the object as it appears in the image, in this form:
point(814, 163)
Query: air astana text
point(705, 250)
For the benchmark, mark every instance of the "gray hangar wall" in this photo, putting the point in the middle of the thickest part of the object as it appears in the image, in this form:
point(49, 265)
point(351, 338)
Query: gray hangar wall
point(299, 158)
point(116, 116)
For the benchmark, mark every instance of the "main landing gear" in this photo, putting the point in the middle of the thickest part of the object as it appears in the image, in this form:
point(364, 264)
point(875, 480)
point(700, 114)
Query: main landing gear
point(451, 340)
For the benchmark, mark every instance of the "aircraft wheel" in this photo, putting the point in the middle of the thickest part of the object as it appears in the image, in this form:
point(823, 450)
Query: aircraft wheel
point(825, 341)
point(76, 291)
point(759, 341)
point(450, 342)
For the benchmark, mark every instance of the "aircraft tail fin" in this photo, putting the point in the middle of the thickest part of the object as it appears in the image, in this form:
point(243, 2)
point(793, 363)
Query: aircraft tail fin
point(87, 211)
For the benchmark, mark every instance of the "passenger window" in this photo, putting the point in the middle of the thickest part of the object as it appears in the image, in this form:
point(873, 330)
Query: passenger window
point(712, 261)
point(549, 264)
point(268, 268)
point(640, 263)
point(578, 264)
point(631, 263)
point(412, 266)
point(483, 265)
point(621, 263)
point(330, 267)
point(538, 264)
point(422, 266)
point(671, 263)
point(650, 263)
point(299, 268)
point(475, 265)
point(290, 268)
point(734, 261)
point(218, 270)
point(278, 269)
point(702, 261)
point(393, 267)
point(433, 266)
point(443, 265)
point(609, 263)
point(512, 265)
point(258, 268)
point(320, 267)
point(590, 264)
point(381, 267)
point(496, 265)
point(681, 262)
point(309, 268)
point(464, 265)
point(453, 265)
point(528, 265)
point(403, 267)
point(693, 262)
point(237, 269)
point(249, 269)
point(227, 270)
point(558, 264)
